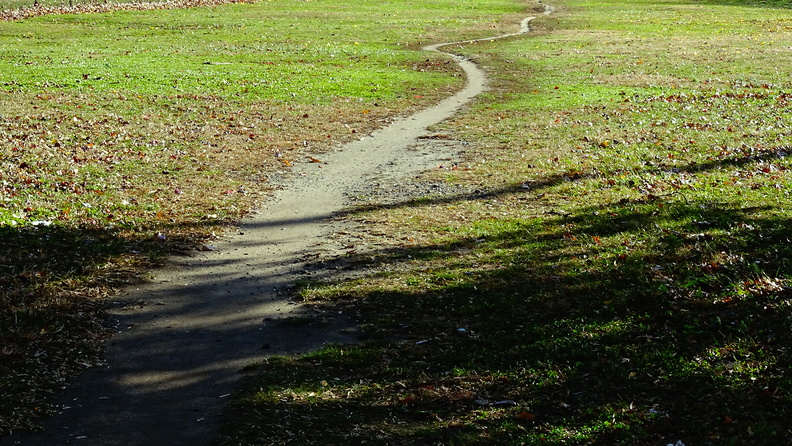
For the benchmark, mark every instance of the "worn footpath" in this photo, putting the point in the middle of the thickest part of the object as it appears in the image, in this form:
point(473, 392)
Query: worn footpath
point(184, 337)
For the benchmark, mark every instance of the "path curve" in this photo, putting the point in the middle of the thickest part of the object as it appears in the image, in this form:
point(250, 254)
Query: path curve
point(184, 337)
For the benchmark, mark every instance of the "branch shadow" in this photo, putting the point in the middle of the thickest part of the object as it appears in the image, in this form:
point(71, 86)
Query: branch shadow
point(633, 344)
point(55, 314)
point(54, 285)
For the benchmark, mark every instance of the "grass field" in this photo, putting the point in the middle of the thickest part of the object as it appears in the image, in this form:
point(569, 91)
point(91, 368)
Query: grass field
point(130, 135)
point(619, 272)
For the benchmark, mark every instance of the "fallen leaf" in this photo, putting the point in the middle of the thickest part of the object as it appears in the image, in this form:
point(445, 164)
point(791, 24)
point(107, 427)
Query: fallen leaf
point(526, 416)
point(407, 400)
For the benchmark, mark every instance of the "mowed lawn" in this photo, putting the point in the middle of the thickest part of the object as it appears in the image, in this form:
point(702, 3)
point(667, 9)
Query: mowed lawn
point(129, 135)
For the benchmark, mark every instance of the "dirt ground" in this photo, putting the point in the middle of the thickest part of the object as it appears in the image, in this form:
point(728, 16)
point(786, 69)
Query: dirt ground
point(185, 336)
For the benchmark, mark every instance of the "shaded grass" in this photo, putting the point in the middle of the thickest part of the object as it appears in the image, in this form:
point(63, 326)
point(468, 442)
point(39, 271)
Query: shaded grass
point(52, 281)
point(128, 136)
point(622, 274)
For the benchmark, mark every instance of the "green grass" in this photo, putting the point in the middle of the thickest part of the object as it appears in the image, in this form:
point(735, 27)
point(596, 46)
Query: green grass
point(241, 52)
point(622, 273)
point(129, 135)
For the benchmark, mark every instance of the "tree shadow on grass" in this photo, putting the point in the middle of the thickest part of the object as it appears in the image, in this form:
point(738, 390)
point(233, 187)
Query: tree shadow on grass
point(781, 4)
point(739, 159)
point(680, 334)
point(52, 282)
point(178, 345)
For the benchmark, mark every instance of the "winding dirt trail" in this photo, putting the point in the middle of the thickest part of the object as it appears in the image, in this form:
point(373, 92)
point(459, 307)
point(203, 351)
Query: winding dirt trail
point(184, 337)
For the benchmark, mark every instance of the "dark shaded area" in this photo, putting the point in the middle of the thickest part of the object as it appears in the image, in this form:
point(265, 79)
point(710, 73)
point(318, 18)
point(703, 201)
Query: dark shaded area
point(785, 4)
point(180, 339)
point(683, 337)
point(52, 282)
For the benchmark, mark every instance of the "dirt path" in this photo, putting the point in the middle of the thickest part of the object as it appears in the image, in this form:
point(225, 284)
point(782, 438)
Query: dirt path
point(184, 337)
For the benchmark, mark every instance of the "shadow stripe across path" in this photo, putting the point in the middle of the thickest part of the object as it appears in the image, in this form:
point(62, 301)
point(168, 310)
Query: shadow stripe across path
point(183, 338)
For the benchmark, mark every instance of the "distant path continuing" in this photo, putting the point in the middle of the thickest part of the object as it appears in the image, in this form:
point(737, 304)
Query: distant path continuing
point(184, 337)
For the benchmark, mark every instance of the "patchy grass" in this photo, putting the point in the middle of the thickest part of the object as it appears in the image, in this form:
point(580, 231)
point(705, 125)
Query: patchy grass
point(621, 274)
point(129, 135)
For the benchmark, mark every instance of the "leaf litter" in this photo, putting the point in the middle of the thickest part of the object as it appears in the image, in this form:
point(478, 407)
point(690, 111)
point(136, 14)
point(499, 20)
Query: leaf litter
point(97, 187)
